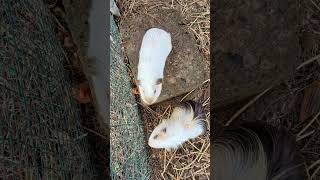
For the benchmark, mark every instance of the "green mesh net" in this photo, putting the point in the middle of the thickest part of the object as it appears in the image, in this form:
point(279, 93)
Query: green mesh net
point(129, 158)
point(40, 132)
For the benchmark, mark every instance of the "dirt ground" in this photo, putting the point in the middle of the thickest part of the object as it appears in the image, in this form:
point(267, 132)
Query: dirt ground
point(192, 160)
point(294, 103)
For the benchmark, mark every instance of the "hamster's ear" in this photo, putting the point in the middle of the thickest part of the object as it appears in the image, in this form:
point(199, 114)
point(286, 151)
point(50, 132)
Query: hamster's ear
point(159, 81)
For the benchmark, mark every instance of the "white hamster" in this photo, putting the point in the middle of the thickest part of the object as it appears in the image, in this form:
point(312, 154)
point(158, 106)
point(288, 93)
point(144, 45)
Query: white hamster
point(187, 121)
point(155, 48)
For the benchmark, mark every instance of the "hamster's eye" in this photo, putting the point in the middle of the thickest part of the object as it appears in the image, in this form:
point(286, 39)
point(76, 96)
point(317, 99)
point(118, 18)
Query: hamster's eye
point(164, 130)
point(159, 81)
point(155, 137)
point(154, 91)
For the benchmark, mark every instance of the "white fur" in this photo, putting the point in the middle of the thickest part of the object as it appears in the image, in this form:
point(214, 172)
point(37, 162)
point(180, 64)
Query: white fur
point(155, 48)
point(180, 127)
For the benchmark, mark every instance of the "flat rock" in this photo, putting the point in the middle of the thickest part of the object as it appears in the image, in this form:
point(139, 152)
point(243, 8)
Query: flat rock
point(255, 45)
point(185, 68)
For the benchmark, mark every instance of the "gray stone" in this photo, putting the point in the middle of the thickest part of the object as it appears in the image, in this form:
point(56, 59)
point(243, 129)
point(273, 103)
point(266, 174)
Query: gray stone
point(185, 68)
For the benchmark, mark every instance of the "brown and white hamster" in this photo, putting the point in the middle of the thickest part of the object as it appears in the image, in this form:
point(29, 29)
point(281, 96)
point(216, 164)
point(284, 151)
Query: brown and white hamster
point(186, 122)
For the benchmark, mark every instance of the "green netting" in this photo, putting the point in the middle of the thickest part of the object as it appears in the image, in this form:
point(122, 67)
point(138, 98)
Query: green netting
point(40, 133)
point(129, 158)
